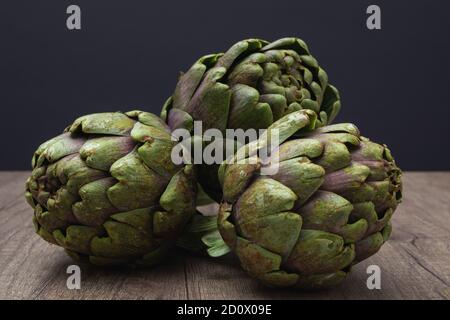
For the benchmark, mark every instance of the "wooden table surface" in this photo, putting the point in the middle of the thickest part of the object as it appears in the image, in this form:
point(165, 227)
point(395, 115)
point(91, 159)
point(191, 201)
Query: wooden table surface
point(415, 262)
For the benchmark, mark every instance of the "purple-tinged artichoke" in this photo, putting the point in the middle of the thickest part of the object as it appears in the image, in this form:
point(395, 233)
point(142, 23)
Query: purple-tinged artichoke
point(326, 208)
point(107, 191)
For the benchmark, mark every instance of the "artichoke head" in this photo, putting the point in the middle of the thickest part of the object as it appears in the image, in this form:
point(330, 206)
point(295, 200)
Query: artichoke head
point(107, 191)
point(251, 85)
point(325, 207)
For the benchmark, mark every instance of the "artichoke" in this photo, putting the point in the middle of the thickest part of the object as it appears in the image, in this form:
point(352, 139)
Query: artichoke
point(107, 191)
point(251, 85)
point(326, 208)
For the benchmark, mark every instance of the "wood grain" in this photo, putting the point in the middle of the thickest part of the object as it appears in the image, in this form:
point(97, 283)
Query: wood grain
point(415, 263)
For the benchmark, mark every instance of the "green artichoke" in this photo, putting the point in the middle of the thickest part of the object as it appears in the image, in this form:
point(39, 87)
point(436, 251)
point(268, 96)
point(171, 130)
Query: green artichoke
point(326, 208)
point(107, 191)
point(251, 85)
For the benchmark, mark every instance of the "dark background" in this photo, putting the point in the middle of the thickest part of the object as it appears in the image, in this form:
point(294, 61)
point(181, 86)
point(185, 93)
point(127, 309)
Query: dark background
point(394, 82)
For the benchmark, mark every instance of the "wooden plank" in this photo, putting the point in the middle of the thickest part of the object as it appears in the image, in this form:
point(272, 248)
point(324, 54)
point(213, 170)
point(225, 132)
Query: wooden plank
point(166, 281)
point(415, 263)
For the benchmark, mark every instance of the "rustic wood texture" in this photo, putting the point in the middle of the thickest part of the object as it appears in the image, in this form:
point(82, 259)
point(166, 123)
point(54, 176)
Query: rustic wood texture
point(415, 263)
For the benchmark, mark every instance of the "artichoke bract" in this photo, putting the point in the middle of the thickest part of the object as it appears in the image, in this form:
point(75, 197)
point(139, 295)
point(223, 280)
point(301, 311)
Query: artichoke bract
point(107, 191)
point(251, 85)
point(326, 208)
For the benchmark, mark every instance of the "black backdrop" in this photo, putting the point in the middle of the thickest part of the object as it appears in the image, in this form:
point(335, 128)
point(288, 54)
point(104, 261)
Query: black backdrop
point(393, 82)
